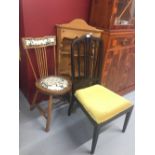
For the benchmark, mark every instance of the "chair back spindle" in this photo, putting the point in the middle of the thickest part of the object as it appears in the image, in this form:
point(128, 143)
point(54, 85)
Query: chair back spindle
point(86, 60)
point(39, 47)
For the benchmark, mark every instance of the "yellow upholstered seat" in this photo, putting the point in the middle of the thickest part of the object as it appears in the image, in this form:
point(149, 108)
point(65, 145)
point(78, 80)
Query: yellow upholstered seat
point(101, 103)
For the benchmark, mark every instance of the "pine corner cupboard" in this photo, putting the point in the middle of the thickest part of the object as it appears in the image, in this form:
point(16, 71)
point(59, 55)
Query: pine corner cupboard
point(65, 35)
point(116, 19)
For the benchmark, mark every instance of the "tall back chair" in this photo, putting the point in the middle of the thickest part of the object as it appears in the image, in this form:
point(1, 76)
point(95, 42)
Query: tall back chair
point(36, 51)
point(100, 104)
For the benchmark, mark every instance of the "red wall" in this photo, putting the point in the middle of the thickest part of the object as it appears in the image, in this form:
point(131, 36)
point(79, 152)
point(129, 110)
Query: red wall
point(38, 18)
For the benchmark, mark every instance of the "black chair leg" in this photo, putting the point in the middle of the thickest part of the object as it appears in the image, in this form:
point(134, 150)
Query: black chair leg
point(126, 120)
point(95, 138)
point(71, 104)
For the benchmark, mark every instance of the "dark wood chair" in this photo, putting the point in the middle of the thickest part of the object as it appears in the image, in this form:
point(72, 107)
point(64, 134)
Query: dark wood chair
point(36, 51)
point(100, 104)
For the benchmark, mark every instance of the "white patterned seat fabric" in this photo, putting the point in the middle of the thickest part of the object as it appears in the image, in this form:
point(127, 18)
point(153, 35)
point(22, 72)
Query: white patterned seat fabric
point(54, 83)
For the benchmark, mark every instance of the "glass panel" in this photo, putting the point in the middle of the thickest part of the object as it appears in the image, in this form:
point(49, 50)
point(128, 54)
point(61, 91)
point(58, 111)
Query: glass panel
point(125, 12)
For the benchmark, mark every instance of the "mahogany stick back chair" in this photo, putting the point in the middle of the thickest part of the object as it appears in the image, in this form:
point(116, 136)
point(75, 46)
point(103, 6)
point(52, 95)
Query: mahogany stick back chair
point(36, 51)
point(100, 104)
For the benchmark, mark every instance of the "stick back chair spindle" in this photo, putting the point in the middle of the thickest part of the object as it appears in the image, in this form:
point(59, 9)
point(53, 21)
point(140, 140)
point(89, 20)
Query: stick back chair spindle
point(48, 85)
point(100, 104)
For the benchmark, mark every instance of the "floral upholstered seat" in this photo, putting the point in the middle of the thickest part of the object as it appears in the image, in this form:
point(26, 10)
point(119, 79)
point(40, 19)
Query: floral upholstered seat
point(54, 83)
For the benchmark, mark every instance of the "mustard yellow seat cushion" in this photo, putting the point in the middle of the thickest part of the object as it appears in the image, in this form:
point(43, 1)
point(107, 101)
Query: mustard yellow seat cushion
point(101, 103)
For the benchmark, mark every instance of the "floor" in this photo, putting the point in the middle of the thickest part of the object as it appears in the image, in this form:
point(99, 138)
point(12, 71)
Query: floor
point(71, 135)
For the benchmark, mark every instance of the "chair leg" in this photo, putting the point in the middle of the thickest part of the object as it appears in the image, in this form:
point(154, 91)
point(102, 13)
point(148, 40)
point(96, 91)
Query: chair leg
point(49, 114)
point(34, 100)
point(71, 104)
point(95, 138)
point(126, 120)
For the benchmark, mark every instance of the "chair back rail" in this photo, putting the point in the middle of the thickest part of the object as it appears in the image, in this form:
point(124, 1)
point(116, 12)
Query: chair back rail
point(86, 60)
point(39, 47)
